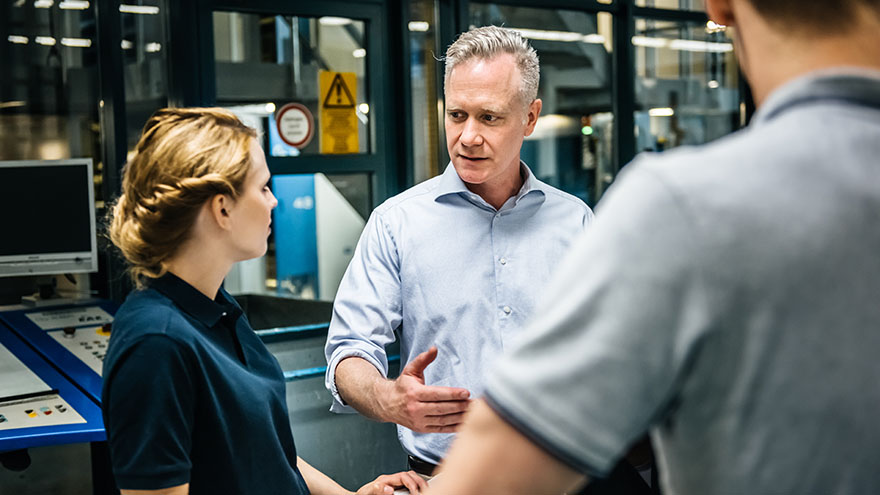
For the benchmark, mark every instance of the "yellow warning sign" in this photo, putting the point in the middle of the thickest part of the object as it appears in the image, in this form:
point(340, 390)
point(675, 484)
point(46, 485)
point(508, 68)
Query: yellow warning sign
point(339, 123)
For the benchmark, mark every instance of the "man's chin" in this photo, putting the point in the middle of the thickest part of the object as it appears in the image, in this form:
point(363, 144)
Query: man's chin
point(470, 172)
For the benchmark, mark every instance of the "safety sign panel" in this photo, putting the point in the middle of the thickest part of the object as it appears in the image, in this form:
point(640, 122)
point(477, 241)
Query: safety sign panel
point(294, 123)
point(339, 123)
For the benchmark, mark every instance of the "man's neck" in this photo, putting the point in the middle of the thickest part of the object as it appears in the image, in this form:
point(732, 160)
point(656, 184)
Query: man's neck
point(496, 193)
point(772, 58)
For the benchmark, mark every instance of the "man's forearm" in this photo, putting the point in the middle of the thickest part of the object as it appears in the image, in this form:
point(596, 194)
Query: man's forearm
point(490, 456)
point(360, 385)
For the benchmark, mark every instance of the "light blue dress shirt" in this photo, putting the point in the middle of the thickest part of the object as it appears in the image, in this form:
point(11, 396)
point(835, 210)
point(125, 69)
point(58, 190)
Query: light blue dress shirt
point(444, 268)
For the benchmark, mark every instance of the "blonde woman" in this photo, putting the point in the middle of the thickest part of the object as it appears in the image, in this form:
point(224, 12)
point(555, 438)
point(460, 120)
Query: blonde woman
point(193, 401)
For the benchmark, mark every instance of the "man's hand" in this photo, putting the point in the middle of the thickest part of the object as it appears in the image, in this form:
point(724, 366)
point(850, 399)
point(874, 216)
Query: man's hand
point(407, 401)
point(385, 484)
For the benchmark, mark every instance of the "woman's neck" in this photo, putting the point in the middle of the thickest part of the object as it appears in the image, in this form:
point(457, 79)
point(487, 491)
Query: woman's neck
point(200, 268)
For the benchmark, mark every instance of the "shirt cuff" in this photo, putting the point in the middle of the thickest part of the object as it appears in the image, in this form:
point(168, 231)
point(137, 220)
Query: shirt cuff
point(339, 405)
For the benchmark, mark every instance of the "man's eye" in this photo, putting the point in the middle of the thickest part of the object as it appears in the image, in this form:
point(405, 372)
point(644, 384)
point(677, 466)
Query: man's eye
point(490, 118)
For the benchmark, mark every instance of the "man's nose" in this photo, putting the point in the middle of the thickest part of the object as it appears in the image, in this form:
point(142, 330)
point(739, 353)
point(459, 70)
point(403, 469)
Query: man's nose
point(470, 135)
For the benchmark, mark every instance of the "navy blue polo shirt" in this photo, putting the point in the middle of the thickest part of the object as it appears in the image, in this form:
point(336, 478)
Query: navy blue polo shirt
point(191, 395)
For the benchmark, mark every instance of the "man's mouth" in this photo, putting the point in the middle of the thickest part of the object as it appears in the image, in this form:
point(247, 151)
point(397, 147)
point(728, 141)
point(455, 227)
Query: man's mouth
point(472, 158)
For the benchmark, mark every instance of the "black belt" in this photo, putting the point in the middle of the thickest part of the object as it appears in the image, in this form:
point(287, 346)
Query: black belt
point(424, 468)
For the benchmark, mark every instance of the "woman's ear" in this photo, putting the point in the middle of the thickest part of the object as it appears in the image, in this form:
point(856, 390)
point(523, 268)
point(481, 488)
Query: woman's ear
point(219, 208)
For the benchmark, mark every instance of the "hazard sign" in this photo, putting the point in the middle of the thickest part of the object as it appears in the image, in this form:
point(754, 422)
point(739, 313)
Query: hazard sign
point(339, 123)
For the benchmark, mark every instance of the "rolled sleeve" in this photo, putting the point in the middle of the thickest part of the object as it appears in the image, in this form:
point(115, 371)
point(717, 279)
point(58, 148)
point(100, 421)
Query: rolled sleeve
point(367, 308)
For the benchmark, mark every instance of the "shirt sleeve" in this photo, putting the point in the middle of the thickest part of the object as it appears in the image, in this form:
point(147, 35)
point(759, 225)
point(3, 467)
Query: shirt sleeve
point(367, 308)
point(149, 420)
point(602, 360)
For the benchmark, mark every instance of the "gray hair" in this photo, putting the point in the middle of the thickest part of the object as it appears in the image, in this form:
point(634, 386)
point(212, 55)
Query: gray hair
point(489, 41)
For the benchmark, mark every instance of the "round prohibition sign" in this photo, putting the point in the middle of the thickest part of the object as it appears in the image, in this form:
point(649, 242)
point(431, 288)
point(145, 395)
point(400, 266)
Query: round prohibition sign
point(295, 124)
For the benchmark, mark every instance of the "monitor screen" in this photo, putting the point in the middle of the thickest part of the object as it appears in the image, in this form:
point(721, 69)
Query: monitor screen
point(48, 220)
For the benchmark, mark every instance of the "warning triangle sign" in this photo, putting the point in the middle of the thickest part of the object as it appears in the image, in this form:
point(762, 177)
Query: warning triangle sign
point(338, 96)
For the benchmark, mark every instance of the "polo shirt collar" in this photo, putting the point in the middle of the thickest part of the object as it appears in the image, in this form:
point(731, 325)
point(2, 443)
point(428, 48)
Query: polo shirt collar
point(208, 312)
point(858, 86)
point(451, 183)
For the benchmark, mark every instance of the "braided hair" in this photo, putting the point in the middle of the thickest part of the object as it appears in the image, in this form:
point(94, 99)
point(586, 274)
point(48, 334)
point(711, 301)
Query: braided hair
point(185, 157)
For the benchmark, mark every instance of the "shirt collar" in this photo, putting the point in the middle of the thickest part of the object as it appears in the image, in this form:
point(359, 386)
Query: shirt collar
point(207, 311)
point(451, 183)
point(846, 84)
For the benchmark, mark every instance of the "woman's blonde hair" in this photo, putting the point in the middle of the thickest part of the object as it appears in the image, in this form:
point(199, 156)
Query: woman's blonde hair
point(184, 158)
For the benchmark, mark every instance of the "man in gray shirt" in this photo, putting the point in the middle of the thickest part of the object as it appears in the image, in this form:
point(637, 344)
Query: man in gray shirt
point(736, 314)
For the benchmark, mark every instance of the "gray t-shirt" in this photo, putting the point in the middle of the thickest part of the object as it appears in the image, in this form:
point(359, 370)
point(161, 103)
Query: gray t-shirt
point(727, 300)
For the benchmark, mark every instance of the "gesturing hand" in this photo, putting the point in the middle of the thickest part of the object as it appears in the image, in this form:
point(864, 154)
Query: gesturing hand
point(385, 484)
point(422, 408)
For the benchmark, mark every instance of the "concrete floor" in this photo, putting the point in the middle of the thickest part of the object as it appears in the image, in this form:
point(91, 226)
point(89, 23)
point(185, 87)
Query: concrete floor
point(57, 470)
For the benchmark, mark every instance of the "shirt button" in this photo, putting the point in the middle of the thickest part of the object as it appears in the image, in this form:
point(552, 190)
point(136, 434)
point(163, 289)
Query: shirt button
point(507, 310)
point(503, 261)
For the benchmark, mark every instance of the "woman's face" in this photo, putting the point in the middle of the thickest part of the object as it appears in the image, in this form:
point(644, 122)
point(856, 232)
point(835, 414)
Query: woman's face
point(251, 214)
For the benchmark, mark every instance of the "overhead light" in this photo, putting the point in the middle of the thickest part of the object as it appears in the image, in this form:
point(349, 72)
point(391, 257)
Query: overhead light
point(18, 40)
point(45, 40)
point(152, 47)
point(270, 107)
point(700, 46)
point(12, 104)
point(661, 112)
point(43, 4)
point(334, 21)
point(359, 53)
point(76, 42)
point(683, 45)
point(364, 108)
point(127, 45)
point(713, 27)
point(18, 3)
point(420, 26)
point(139, 9)
point(566, 36)
point(713, 84)
point(73, 5)
point(650, 42)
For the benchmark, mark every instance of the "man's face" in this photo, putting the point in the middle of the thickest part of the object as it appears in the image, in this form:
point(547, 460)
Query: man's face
point(486, 120)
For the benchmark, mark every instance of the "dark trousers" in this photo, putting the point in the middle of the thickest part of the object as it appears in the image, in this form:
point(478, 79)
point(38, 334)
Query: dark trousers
point(623, 480)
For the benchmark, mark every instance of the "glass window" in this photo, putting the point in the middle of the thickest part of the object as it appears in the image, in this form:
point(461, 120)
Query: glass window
point(144, 56)
point(266, 61)
point(673, 4)
point(315, 229)
point(686, 84)
point(571, 147)
point(427, 102)
point(49, 83)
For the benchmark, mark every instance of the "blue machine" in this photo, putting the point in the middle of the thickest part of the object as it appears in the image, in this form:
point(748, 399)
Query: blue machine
point(295, 226)
point(72, 337)
point(63, 400)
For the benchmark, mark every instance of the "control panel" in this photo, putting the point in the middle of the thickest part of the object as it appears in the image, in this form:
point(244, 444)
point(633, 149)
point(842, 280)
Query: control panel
point(89, 344)
point(73, 337)
point(44, 410)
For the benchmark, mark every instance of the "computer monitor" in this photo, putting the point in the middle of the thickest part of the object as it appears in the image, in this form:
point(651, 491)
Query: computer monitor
point(47, 217)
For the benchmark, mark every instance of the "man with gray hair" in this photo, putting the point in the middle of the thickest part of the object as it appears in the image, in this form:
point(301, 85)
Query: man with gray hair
point(455, 264)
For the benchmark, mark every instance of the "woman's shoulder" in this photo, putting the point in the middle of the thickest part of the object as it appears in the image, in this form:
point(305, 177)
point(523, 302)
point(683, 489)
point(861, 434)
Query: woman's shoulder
point(148, 312)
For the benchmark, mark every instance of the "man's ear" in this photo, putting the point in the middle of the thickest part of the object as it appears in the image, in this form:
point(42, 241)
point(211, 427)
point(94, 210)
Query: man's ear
point(534, 111)
point(721, 12)
point(219, 207)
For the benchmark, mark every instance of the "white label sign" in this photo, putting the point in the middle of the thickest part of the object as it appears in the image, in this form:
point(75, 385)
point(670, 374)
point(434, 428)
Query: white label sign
point(72, 317)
